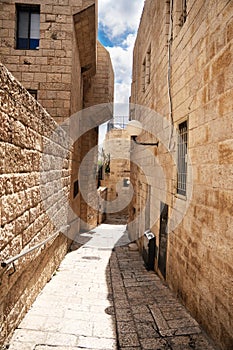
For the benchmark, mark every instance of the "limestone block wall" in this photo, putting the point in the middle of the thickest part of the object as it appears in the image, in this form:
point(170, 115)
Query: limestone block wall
point(98, 90)
point(25, 128)
point(63, 70)
point(117, 144)
point(54, 69)
point(199, 250)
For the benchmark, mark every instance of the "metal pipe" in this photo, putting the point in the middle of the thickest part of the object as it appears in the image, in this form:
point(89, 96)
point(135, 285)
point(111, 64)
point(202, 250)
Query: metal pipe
point(20, 255)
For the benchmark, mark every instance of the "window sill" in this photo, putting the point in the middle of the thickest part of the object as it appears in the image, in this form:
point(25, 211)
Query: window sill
point(181, 196)
point(37, 49)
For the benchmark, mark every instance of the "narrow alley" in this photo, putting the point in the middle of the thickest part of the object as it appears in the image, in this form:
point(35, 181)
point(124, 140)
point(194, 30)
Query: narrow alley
point(115, 113)
point(104, 298)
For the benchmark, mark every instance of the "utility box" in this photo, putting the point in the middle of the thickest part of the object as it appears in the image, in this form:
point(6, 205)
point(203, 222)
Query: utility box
point(148, 251)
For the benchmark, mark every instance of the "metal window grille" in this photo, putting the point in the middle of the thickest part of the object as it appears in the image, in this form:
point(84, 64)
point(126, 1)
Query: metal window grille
point(182, 158)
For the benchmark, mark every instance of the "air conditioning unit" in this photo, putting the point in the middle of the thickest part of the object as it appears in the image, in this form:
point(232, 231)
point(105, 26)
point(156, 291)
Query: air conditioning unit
point(148, 251)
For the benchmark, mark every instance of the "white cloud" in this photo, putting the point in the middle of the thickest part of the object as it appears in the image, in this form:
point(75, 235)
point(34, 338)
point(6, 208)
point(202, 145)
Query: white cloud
point(119, 20)
point(122, 63)
point(122, 93)
point(119, 16)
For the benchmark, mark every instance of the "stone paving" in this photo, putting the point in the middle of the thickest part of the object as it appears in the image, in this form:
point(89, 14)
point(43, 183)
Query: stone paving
point(104, 299)
point(148, 315)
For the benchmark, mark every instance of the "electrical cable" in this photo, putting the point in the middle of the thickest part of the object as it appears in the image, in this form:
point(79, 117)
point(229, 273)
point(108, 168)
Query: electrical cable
point(170, 39)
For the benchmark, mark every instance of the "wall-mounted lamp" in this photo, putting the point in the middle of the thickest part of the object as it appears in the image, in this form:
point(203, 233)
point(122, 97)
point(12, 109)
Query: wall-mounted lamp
point(134, 129)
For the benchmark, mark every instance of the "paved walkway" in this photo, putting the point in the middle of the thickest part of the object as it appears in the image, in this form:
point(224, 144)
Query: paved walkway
point(104, 299)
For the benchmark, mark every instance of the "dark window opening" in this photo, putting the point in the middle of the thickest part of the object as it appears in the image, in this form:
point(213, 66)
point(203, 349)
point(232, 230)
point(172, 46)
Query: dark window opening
point(148, 66)
point(143, 76)
point(76, 188)
point(33, 93)
point(182, 158)
point(28, 27)
point(146, 70)
point(183, 13)
point(126, 182)
point(163, 239)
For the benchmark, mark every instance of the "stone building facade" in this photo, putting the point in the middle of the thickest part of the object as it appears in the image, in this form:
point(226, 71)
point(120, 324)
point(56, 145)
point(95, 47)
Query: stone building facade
point(59, 61)
point(65, 51)
point(116, 180)
point(98, 91)
point(182, 75)
point(67, 69)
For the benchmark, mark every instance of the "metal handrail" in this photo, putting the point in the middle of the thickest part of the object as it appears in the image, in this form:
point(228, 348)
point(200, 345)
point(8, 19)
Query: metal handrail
point(118, 122)
point(20, 255)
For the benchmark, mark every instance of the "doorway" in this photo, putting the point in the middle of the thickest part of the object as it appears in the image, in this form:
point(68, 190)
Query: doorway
point(163, 239)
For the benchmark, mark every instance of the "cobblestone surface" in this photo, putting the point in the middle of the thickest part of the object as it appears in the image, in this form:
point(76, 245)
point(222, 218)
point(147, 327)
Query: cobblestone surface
point(104, 299)
point(148, 315)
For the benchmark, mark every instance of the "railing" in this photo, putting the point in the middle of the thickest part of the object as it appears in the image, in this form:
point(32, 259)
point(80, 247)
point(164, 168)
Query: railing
point(23, 253)
point(118, 122)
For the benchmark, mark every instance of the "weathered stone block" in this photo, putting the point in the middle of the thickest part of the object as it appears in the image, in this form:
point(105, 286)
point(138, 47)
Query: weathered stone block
point(19, 134)
point(226, 152)
point(223, 61)
point(7, 234)
point(6, 127)
point(21, 223)
point(13, 157)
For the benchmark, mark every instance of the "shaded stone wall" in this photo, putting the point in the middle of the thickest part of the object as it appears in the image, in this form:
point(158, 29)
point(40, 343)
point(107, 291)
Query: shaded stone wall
point(199, 249)
point(27, 219)
point(98, 90)
point(117, 145)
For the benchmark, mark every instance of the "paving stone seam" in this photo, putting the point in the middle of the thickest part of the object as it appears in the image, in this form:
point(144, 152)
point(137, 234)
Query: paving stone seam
point(125, 292)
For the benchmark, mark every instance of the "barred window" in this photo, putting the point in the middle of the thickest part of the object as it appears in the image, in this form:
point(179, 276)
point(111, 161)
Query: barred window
point(182, 158)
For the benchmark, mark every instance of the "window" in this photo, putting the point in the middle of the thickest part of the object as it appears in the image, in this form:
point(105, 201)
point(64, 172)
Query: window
point(33, 93)
point(182, 158)
point(28, 27)
point(126, 182)
point(148, 61)
point(146, 70)
point(183, 15)
point(143, 75)
point(76, 188)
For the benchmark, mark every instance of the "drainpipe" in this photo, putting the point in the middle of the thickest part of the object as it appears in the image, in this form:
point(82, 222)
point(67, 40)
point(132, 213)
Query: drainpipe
point(170, 39)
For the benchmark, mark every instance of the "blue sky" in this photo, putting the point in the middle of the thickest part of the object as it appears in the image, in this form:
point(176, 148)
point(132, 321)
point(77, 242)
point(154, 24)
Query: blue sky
point(118, 24)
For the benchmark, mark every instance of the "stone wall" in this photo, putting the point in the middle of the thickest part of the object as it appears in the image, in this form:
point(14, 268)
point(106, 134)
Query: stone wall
point(69, 75)
point(117, 145)
point(199, 249)
point(69, 71)
point(26, 219)
point(54, 69)
point(98, 90)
